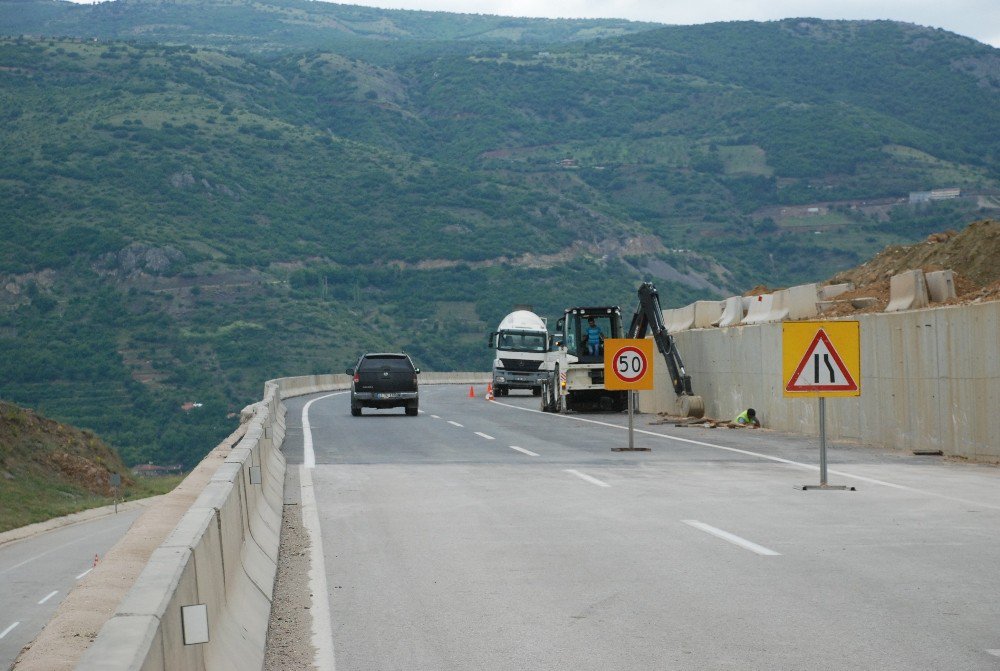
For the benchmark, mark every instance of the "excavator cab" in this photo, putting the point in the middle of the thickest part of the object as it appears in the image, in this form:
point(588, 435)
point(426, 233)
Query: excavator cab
point(584, 330)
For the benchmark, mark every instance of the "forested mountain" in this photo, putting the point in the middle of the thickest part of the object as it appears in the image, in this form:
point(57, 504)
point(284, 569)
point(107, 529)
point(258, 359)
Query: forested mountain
point(183, 221)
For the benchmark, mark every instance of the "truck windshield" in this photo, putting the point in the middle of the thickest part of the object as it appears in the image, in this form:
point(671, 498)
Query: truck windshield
point(514, 341)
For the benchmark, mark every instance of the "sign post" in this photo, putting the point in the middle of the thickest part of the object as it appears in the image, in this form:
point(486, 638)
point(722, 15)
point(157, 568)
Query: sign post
point(116, 482)
point(821, 359)
point(628, 365)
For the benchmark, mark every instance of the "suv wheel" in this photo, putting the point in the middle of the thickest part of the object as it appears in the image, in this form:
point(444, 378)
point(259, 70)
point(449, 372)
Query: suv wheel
point(356, 410)
point(411, 410)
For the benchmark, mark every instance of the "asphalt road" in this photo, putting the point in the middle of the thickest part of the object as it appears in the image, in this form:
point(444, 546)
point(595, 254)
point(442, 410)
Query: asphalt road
point(486, 535)
point(36, 574)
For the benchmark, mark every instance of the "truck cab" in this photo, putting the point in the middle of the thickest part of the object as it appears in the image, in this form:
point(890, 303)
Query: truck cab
point(522, 344)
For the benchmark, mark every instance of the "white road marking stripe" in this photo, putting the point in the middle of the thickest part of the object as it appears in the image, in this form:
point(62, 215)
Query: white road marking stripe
point(456, 424)
point(995, 653)
point(588, 478)
point(789, 462)
point(732, 538)
point(8, 629)
point(48, 596)
point(84, 573)
point(521, 449)
point(435, 417)
point(486, 436)
point(322, 630)
point(308, 456)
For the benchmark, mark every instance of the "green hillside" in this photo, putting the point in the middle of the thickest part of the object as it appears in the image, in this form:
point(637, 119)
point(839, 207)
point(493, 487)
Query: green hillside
point(182, 222)
point(50, 469)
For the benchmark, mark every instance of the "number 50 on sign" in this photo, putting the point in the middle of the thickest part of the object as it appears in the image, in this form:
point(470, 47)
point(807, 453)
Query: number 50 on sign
point(628, 364)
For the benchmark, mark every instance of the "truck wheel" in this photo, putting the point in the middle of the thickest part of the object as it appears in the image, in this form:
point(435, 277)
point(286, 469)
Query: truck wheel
point(536, 391)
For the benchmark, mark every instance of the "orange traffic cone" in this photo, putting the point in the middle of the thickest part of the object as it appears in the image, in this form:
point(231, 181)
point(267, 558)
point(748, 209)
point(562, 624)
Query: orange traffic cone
point(472, 392)
point(489, 391)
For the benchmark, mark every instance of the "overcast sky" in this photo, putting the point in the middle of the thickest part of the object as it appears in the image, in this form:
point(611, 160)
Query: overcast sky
point(978, 19)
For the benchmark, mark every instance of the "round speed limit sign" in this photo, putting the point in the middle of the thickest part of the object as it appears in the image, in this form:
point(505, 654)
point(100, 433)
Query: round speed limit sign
point(630, 364)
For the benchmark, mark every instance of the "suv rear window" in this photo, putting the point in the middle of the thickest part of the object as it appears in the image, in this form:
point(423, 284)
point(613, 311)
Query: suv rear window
point(399, 364)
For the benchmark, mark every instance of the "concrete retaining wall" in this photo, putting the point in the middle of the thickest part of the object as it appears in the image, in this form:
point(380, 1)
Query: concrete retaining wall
point(222, 554)
point(930, 379)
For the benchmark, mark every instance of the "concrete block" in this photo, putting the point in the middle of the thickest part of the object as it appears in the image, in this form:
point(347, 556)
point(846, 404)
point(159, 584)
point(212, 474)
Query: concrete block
point(239, 640)
point(166, 583)
point(759, 309)
point(732, 312)
point(706, 314)
point(801, 301)
point(126, 643)
point(682, 319)
point(941, 285)
point(259, 567)
point(779, 307)
point(907, 291)
point(831, 291)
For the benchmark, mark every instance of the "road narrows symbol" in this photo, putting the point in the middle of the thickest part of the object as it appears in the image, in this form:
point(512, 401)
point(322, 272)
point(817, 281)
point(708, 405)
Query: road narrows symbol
point(821, 369)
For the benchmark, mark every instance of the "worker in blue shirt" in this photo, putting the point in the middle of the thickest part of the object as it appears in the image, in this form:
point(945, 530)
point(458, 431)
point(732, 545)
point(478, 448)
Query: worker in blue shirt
point(593, 338)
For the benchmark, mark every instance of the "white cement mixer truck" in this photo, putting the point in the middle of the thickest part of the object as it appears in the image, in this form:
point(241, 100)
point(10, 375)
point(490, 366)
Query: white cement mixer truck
point(522, 343)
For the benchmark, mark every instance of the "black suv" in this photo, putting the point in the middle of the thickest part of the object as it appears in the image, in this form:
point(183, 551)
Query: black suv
point(384, 381)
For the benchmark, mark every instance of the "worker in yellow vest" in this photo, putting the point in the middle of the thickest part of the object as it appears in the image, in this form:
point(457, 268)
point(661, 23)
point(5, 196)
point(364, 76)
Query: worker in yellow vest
point(747, 418)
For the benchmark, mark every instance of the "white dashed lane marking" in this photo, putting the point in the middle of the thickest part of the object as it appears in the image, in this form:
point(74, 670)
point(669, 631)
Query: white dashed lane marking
point(583, 476)
point(732, 538)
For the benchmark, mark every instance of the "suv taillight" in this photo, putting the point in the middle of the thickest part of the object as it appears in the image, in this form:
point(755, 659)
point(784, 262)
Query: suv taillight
point(357, 378)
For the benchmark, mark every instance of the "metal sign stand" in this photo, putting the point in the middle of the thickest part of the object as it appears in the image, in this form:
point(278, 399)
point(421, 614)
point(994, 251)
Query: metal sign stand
point(822, 455)
point(116, 482)
point(631, 428)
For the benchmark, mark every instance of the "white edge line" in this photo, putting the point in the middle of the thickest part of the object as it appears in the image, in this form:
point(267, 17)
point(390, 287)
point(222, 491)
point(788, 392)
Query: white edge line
point(484, 435)
point(322, 630)
point(84, 573)
point(308, 456)
point(48, 596)
point(995, 653)
point(456, 424)
point(590, 479)
point(732, 538)
point(435, 416)
point(8, 629)
point(521, 449)
point(768, 457)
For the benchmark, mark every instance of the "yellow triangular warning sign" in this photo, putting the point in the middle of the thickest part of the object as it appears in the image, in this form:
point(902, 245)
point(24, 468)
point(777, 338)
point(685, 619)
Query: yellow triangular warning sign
point(821, 369)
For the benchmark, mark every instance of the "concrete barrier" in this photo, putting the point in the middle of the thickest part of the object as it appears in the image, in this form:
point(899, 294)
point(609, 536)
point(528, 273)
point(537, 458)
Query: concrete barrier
point(759, 309)
point(801, 301)
point(831, 291)
point(907, 291)
point(681, 319)
point(706, 314)
point(930, 380)
point(940, 285)
point(221, 555)
point(732, 312)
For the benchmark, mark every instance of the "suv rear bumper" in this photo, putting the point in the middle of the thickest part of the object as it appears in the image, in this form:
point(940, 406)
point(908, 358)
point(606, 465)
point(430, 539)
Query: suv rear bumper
point(376, 399)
